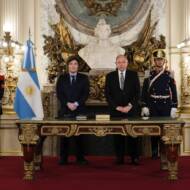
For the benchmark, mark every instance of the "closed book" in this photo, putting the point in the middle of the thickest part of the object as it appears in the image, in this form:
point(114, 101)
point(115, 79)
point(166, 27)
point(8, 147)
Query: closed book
point(81, 117)
point(102, 117)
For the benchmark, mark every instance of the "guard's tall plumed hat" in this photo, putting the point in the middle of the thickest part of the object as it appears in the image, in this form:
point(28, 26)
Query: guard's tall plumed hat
point(159, 54)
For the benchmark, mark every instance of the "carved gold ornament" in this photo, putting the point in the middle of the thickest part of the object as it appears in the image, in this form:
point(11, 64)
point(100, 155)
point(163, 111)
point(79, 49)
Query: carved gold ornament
point(142, 130)
point(28, 170)
point(172, 134)
point(72, 130)
point(139, 53)
point(55, 131)
point(29, 134)
point(58, 48)
point(188, 81)
point(106, 7)
point(101, 132)
point(173, 170)
point(97, 84)
point(130, 131)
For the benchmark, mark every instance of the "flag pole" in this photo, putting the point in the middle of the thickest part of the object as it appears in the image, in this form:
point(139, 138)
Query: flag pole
point(29, 34)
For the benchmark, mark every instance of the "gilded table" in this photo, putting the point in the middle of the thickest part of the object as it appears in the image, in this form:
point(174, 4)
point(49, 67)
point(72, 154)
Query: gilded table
point(32, 131)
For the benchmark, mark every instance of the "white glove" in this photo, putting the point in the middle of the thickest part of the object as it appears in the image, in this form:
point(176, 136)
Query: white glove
point(145, 112)
point(173, 113)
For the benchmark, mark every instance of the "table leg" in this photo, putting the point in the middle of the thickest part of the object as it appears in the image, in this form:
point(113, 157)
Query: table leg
point(28, 137)
point(163, 157)
point(38, 157)
point(28, 156)
point(172, 156)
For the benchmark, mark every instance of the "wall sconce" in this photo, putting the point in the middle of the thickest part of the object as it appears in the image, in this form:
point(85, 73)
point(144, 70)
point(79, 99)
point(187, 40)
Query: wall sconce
point(11, 53)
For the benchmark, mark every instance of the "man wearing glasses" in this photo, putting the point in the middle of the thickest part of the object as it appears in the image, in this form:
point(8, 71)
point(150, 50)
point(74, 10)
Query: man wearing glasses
point(122, 92)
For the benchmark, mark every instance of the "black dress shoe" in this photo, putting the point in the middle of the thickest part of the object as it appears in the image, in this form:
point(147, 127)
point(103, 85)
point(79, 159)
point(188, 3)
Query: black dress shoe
point(155, 157)
point(63, 162)
point(82, 161)
point(119, 161)
point(155, 154)
point(135, 162)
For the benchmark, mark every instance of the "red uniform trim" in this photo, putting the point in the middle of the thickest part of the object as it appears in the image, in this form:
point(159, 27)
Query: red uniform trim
point(2, 77)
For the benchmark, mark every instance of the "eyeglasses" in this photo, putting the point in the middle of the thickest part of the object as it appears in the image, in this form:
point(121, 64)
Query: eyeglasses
point(121, 62)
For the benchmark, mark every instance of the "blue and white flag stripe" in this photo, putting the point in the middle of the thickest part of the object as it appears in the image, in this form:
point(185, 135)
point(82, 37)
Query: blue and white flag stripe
point(29, 64)
point(28, 101)
point(22, 107)
point(31, 93)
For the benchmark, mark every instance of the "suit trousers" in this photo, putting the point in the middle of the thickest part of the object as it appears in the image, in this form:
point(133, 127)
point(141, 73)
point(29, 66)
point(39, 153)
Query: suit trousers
point(64, 147)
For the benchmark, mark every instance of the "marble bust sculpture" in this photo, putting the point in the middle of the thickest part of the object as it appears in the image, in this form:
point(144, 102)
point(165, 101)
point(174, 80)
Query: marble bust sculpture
point(100, 53)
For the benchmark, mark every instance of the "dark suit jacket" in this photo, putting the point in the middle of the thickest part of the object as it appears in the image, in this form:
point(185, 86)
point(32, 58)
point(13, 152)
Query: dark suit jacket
point(117, 97)
point(72, 93)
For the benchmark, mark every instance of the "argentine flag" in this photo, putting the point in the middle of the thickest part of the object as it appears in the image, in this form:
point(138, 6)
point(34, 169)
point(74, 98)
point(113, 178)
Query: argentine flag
point(28, 102)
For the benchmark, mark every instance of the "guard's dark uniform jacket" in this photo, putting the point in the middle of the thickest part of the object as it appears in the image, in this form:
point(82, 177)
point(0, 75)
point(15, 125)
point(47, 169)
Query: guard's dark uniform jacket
point(159, 93)
point(2, 80)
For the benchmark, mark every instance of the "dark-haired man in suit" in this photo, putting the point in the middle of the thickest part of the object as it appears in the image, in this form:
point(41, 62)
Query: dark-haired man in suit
point(72, 91)
point(122, 92)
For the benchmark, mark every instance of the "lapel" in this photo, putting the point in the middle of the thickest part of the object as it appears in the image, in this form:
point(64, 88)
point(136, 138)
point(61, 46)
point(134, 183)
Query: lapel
point(77, 78)
point(117, 79)
point(126, 80)
point(67, 79)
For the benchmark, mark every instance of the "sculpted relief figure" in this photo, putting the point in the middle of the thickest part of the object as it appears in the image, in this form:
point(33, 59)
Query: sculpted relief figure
point(101, 53)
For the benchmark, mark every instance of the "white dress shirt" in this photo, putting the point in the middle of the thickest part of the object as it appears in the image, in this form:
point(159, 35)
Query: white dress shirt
point(119, 74)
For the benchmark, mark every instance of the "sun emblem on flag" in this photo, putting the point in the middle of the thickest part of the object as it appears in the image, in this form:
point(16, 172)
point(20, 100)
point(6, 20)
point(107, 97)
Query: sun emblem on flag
point(29, 90)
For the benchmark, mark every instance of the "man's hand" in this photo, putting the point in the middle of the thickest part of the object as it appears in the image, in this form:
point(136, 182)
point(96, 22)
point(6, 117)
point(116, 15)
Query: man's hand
point(119, 108)
point(145, 112)
point(173, 113)
point(71, 106)
point(124, 109)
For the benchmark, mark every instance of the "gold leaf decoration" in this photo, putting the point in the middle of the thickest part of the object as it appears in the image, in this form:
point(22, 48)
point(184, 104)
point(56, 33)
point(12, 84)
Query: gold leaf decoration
point(58, 48)
point(139, 52)
point(103, 7)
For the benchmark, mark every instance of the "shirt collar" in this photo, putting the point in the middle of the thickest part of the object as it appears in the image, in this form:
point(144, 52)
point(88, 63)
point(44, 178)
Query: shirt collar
point(119, 72)
point(72, 74)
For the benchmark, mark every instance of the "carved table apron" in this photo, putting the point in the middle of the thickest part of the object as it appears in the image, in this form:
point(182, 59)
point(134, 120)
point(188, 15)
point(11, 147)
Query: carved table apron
point(170, 130)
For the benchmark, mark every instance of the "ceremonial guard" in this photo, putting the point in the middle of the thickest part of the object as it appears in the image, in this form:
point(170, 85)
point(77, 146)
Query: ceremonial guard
point(159, 95)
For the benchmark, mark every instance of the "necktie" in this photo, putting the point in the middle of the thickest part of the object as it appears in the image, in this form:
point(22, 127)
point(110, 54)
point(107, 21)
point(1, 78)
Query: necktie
point(72, 79)
point(122, 81)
